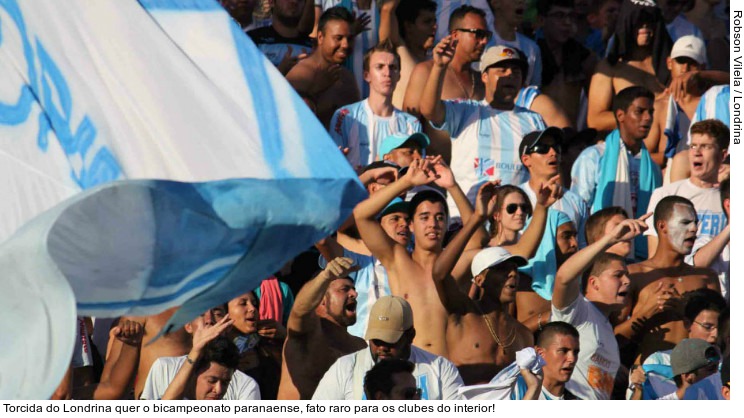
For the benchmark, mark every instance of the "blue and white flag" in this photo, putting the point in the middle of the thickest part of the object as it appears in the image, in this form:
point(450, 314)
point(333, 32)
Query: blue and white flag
point(151, 157)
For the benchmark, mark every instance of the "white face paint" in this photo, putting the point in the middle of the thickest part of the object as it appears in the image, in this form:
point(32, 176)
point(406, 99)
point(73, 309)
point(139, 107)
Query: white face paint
point(682, 228)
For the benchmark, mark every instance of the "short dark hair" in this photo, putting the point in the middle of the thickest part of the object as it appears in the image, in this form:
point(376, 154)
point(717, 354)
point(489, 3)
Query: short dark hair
point(426, 196)
point(551, 329)
point(221, 351)
point(459, 14)
point(713, 128)
point(595, 225)
point(335, 13)
point(599, 264)
point(409, 10)
point(665, 208)
point(380, 377)
point(543, 6)
point(384, 46)
point(625, 97)
point(703, 300)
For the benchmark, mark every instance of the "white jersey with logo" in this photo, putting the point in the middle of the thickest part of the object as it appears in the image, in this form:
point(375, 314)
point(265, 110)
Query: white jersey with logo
point(599, 357)
point(351, 128)
point(436, 376)
point(485, 144)
point(164, 369)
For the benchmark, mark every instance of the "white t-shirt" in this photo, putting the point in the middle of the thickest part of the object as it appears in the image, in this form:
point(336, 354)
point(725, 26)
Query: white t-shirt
point(436, 376)
point(164, 369)
point(485, 144)
point(570, 204)
point(599, 357)
point(711, 221)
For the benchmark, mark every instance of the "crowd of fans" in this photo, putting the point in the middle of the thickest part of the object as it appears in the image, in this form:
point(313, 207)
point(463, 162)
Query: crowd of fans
point(548, 203)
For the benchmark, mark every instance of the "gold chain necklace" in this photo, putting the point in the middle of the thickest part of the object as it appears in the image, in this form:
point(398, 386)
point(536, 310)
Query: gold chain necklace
point(462, 87)
point(495, 336)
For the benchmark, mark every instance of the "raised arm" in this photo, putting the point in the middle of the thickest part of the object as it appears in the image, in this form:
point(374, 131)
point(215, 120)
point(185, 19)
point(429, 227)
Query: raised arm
point(447, 289)
point(389, 22)
point(567, 283)
point(306, 25)
point(122, 368)
point(551, 112)
point(546, 195)
point(365, 213)
point(202, 336)
point(303, 319)
point(432, 107)
point(709, 252)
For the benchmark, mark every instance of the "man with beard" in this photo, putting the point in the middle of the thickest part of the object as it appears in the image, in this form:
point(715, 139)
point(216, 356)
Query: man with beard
point(316, 330)
point(485, 135)
point(362, 126)
point(320, 78)
point(282, 42)
point(637, 57)
point(390, 334)
point(606, 283)
point(411, 29)
point(469, 34)
point(656, 322)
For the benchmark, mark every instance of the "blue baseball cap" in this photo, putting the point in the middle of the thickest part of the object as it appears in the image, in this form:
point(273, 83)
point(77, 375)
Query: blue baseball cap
point(394, 141)
point(395, 205)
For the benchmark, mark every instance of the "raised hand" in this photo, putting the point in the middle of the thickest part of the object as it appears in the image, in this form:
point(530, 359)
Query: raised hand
point(204, 334)
point(128, 332)
point(662, 298)
point(629, 229)
point(444, 51)
point(269, 328)
point(550, 192)
point(420, 172)
point(445, 178)
point(324, 78)
point(485, 202)
point(340, 267)
point(288, 61)
point(361, 23)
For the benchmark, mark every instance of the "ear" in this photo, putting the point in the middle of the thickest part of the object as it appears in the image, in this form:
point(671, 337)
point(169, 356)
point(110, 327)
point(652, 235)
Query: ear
point(540, 351)
point(619, 114)
point(669, 63)
point(484, 76)
point(593, 284)
point(479, 279)
point(688, 378)
point(662, 226)
point(526, 160)
point(189, 329)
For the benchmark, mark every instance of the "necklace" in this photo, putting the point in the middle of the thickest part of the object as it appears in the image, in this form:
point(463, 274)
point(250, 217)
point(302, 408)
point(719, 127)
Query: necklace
point(510, 338)
point(462, 87)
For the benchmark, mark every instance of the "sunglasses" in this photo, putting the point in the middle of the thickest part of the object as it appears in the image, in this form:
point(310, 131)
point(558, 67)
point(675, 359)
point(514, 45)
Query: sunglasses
point(707, 327)
point(412, 394)
point(512, 207)
point(542, 149)
point(479, 33)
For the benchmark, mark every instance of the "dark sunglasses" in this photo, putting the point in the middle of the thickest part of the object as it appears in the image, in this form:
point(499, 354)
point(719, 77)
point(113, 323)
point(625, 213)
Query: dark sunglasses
point(479, 33)
point(512, 207)
point(542, 148)
point(412, 393)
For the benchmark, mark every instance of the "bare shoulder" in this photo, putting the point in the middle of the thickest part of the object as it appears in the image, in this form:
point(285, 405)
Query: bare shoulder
point(604, 68)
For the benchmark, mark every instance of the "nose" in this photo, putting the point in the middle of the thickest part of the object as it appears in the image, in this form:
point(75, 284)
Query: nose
point(353, 294)
point(217, 388)
point(574, 243)
point(209, 318)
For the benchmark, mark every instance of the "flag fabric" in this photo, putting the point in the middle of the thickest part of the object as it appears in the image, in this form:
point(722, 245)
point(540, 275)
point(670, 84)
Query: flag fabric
point(151, 157)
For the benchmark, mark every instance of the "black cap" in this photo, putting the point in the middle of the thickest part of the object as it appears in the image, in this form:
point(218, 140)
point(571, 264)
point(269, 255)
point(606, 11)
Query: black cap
point(533, 138)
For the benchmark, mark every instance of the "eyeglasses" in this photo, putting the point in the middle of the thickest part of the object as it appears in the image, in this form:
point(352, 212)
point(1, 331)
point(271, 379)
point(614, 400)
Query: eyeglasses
point(412, 394)
point(542, 148)
point(479, 33)
point(512, 207)
point(707, 327)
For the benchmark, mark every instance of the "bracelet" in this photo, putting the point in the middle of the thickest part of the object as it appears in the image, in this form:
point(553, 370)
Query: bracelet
point(191, 362)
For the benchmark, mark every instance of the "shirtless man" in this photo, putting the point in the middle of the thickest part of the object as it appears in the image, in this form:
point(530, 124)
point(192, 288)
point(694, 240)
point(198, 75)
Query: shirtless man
point(637, 58)
point(409, 275)
point(663, 277)
point(412, 30)
point(173, 344)
point(316, 330)
point(469, 34)
point(482, 338)
point(320, 78)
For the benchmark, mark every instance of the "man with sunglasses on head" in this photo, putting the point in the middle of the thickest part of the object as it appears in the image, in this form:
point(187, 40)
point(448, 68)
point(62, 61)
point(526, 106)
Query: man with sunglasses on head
point(390, 334)
point(540, 152)
point(485, 134)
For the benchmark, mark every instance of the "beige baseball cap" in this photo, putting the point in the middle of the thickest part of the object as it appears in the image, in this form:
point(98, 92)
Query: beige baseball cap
point(389, 318)
point(502, 53)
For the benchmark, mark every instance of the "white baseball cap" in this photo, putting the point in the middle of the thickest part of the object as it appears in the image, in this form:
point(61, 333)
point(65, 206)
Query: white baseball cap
point(491, 256)
point(691, 47)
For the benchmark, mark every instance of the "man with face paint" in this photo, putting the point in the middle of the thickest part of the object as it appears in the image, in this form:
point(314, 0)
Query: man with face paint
point(390, 333)
point(321, 79)
point(485, 135)
point(316, 329)
point(606, 282)
point(637, 57)
point(657, 283)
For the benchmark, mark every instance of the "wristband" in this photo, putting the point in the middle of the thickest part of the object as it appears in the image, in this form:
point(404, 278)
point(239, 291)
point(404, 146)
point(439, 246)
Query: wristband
point(191, 362)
